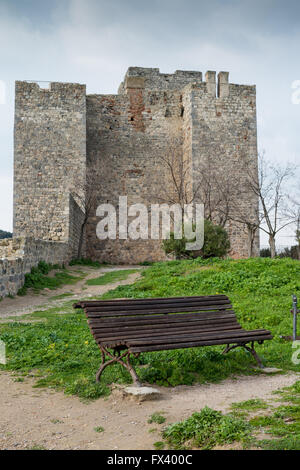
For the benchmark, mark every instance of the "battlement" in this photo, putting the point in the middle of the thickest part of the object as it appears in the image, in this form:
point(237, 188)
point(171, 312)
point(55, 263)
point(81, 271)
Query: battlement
point(37, 85)
point(153, 79)
point(216, 85)
point(35, 92)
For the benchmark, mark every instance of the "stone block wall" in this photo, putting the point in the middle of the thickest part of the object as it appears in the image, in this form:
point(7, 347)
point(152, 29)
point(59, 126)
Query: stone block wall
point(50, 157)
point(129, 132)
point(127, 135)
point(224, 132)
point(76, 219)
point(19, 255)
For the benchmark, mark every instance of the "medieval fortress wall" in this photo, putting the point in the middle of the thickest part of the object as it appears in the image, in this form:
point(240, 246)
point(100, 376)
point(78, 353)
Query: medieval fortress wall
point(66, 141)
point(129, 133)
point(19, 255)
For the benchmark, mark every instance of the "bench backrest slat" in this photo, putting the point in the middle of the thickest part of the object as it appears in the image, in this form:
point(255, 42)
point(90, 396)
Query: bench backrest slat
point(157, 319)
point(152, 301)
point(95, 313)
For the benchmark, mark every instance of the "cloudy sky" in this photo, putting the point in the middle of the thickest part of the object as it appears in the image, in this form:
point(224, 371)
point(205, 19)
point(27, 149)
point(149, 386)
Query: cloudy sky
point(95, 41)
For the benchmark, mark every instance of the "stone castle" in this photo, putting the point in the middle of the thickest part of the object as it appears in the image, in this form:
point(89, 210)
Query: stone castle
point(62, 135)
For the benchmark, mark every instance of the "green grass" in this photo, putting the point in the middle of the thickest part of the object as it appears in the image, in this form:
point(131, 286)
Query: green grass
point(156, 418)
point(61, 296)
point(205, 430)
point(250, 405)
point(290, 394)
point(99, 429)
point(39, 278)
point(111, 277)
point(59, 349)
point(159, 445)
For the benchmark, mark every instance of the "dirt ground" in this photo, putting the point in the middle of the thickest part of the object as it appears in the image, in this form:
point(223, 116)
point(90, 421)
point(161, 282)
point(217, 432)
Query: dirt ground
point(43, 418)
point(21, 305)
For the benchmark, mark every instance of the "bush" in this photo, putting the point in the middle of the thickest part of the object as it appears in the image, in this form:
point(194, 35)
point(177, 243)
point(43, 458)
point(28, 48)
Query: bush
point(37, 278)
point(205, 430)
point(4, 234)
point(292, 252)
point(265, 253)
point(216, 243)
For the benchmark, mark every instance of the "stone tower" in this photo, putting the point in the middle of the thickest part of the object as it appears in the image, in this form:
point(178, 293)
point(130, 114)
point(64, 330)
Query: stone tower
point(62, 135)
point(49, 161)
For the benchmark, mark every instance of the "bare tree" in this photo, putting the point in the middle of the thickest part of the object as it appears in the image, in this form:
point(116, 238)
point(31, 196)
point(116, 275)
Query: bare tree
point(293, 212)
point(85, 194)
point(214, 189)
point(176, 186)
point(217, 190)
point(271, 189)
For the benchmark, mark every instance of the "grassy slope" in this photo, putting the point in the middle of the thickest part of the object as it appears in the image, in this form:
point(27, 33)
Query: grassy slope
point(62, 352)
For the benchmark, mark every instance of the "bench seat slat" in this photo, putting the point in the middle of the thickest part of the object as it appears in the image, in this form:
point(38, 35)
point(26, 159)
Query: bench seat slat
point(115, 342)
point(192, 344)
point(179, 338)
point(163, 332)
point(157, 328)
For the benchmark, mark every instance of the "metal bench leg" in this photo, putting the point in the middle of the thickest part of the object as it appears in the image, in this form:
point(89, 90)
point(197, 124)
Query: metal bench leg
point(116, 357)
point(250, 349)
point(254, 354)
point(132, 372)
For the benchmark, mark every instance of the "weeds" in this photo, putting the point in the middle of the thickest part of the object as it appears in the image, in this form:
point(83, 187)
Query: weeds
point(38, 278)
point(99, 429)
point(250, 405)
point(205, 430)
point(110, 277)
point(156, 418)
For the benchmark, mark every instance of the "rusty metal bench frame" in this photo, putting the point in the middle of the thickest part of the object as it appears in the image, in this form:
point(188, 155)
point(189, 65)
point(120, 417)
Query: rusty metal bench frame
point(132, 326)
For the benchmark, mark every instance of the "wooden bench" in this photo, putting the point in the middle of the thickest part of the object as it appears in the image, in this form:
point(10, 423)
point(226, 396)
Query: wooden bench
point(133, 326)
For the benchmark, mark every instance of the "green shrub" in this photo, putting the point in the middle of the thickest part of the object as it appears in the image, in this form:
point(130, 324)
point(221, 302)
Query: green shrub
point(292, 252)
point(156, 418)
point(216, 243)
point(4, 234)
point(206, 429)
point(265, 253)
point(38, 278)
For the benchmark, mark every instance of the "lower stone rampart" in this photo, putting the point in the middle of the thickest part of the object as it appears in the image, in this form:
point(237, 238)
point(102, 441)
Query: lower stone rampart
point(19, 255)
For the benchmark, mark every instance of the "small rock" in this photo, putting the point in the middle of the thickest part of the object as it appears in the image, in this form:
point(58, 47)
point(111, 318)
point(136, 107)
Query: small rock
point(142, 393)
point(271, 370)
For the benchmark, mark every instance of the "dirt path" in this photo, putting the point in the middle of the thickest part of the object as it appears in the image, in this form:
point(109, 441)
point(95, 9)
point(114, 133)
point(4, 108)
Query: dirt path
point(21, 305)
point(43, 418)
